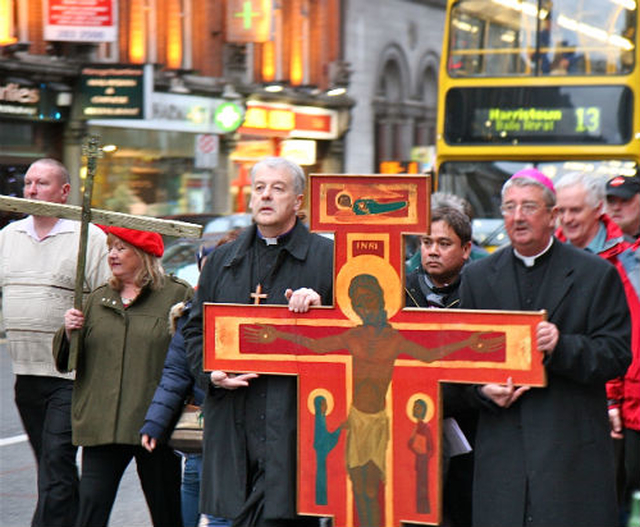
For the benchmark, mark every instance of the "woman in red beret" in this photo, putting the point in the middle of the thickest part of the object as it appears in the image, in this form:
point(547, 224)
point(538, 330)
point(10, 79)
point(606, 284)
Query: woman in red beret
point(124, 337)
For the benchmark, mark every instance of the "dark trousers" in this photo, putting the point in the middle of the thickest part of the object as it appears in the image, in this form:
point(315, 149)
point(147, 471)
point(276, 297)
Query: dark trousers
point(102, 470)
point(44, 404)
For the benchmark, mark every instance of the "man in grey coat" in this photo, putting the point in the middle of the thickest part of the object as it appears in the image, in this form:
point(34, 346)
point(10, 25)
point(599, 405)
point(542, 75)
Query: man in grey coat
point(249, 465)
point(544, 456)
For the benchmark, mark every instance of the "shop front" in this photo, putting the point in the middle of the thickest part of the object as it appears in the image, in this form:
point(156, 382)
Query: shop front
point(173, 162)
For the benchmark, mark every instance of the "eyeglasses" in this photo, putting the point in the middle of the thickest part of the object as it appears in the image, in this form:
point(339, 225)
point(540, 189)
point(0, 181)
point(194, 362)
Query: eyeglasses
point(527, 209)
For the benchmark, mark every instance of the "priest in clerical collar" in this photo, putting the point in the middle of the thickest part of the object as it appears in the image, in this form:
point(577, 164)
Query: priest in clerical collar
point(552, 443)
point(249, 469)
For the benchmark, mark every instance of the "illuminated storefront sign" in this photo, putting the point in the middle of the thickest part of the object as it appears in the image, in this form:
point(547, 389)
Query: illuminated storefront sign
point(25, 101)
point(185, 113)
point(284, 120)
point(253, 150)
point(81, 20)
point(302, 151)
point(399, 167)
point(228, 116)
point(111, 91)
point(249, 20)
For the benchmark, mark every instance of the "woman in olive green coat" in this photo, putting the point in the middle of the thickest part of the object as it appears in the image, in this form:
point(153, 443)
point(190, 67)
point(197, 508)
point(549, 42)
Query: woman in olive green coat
point(124, 337)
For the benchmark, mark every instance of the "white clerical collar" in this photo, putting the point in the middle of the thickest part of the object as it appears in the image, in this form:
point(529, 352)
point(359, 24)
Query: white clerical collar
point(529, 261)
point(275, 240)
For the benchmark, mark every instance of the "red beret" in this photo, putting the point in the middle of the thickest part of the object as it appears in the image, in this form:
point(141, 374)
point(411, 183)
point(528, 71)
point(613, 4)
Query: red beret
point(149, 242)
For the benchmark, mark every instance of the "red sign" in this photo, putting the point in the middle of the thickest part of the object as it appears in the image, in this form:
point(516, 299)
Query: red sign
point(81, 20)
point(284, 120)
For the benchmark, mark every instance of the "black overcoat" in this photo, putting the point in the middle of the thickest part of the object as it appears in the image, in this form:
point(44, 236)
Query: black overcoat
point(552, 448)
point(226, 278)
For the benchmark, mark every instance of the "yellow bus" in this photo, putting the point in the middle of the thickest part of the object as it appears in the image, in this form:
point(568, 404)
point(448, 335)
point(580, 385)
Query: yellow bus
point(553, 84)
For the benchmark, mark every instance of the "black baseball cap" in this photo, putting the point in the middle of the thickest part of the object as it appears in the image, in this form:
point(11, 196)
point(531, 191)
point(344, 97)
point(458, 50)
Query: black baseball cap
point(624, 187)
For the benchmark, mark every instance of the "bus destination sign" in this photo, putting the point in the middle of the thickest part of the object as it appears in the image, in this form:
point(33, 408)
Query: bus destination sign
point(538, 121)
point(539, 115)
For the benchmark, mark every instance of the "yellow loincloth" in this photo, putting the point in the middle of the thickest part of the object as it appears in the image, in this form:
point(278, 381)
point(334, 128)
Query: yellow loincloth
point(367, 438)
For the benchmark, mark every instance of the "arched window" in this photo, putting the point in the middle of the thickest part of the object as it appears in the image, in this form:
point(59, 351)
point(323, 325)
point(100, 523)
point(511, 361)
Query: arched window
point(427, 99)
point(392, 136)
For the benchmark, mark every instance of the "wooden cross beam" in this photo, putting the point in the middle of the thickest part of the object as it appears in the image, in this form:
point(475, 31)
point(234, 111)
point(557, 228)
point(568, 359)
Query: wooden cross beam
point(85, 214)
point(102, 217)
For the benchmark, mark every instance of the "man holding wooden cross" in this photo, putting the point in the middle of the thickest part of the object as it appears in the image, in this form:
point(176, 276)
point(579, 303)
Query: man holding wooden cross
point(37, 274)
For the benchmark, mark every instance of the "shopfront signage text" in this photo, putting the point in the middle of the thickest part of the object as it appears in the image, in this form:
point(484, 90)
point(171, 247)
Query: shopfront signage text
point(399, 167)
point(185, 113)
point(26, 101)
point(81, 20)
point(18, 100)
point(112, 91)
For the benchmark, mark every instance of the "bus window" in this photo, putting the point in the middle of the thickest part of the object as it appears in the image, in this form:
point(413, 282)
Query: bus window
point(559, 37)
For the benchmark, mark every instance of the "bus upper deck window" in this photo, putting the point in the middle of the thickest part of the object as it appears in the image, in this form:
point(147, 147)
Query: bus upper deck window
point(494, 38)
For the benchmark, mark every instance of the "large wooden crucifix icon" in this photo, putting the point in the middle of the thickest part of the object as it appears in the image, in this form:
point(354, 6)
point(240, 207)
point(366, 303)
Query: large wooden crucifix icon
point(369, 371)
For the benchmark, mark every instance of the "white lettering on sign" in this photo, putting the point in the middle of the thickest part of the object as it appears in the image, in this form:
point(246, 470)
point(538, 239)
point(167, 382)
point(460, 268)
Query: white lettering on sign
point(12, 92)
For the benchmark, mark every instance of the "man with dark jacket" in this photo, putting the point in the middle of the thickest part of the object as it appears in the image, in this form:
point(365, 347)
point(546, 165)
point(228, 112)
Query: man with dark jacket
point(444, 252)
point(544, 456)
point(249, 464)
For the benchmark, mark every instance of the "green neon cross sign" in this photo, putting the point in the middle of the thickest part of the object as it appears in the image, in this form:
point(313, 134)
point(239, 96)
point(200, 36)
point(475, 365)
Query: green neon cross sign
point(228, 116)
point(246, 14)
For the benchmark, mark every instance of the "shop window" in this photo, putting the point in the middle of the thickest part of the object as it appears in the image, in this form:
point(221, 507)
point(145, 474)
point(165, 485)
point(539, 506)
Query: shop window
point(151, 172)
point(425, 123)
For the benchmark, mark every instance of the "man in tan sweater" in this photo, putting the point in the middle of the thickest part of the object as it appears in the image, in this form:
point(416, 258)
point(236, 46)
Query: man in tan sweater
point(37, 275)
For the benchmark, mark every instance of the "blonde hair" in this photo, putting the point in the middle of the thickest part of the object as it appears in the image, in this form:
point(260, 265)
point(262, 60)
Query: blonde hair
point(150, 272)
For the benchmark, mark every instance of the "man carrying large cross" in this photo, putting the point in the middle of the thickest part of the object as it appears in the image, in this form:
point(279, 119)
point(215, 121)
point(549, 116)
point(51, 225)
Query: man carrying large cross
point(37, 274)
point(249, 461)
point(375, 345)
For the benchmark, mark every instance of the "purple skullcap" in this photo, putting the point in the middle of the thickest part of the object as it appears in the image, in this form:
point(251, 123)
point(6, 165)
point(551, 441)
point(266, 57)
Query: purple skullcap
point(532, 173)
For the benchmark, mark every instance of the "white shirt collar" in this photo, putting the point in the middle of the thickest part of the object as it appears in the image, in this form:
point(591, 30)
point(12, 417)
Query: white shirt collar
point(529, 261)
point(62, 225)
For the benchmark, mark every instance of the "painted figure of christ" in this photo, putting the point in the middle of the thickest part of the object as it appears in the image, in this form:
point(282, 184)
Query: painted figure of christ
point(374, 346)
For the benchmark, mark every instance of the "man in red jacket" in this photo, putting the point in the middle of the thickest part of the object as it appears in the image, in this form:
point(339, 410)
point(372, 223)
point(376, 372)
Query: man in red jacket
point(623, 204)
point(580, 202)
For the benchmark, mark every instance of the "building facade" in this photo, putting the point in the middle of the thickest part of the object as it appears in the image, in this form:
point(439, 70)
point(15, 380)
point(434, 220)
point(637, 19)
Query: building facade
point(393, 47)
point(166, 85)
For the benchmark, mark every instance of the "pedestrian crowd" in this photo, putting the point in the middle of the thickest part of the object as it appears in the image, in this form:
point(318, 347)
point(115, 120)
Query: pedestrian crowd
point(115, 376)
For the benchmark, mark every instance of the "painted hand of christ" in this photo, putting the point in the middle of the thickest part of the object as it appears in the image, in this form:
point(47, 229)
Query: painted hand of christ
point(260, 334)
point(480, 343)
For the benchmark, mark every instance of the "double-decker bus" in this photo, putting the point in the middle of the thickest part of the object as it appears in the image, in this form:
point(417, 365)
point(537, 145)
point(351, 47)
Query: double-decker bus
point(553, 84)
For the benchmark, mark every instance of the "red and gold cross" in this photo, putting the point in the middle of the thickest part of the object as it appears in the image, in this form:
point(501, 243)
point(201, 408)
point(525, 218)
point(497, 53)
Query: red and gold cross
point(368, 452)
